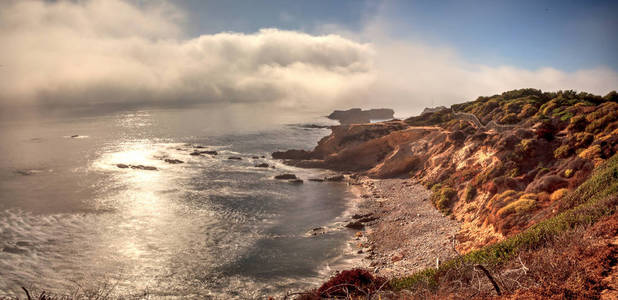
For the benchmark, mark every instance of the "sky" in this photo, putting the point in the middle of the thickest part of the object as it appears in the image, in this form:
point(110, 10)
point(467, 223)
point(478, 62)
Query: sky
point(314, 56)
point(568, 35)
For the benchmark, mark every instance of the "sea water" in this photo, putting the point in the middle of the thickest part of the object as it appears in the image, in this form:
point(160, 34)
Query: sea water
point(73, 223)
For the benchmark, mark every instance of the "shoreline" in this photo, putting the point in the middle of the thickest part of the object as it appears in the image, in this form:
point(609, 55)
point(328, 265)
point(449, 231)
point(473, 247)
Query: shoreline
point(403, 231)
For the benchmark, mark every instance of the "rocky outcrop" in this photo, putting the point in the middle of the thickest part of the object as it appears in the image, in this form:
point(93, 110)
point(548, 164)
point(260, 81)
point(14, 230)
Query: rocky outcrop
point(292, 154)
point(138, 167)
point(359, 116)
point(498, 178)
point(173, 161)
point(286, 176)
point(430, 110)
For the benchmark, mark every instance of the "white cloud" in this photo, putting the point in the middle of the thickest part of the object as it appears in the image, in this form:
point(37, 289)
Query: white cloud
point(110, 52)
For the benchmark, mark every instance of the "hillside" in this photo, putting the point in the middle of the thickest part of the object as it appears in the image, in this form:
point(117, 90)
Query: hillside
point(501, 165)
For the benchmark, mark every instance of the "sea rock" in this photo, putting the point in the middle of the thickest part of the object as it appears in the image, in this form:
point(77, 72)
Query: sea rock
point(355, 225)
point(26, 172)
point(296, 181)
point(142, 167)
point(209, 152)
point(122, 166)
point(14, 250)
point(262, 165)
point(195, 153)
point(173, 161)
point(286, 176)
point(336, 178)
point(312, 126)
point(317, 230)
point(357, 115)
point(255, 157)
point(234, 158)
point(292, 154)
point(316, 179)
point(75, 136)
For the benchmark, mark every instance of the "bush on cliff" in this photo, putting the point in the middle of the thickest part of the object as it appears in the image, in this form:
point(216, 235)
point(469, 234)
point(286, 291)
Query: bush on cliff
point(442, 197)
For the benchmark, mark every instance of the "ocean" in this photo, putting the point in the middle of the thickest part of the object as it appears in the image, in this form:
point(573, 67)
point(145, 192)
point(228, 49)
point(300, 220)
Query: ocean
point(73, 223)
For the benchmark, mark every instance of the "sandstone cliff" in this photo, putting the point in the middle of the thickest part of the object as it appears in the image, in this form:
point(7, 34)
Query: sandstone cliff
point(499, 178)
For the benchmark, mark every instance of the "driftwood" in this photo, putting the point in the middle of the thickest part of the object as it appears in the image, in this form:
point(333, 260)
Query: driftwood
point(491, 279)
point(27, 293)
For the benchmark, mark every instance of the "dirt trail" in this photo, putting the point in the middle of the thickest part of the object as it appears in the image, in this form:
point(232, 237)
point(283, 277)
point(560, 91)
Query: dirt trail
point(409, 233)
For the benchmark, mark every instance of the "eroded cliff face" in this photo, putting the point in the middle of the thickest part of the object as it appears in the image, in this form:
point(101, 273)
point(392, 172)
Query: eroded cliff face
point(496, 183)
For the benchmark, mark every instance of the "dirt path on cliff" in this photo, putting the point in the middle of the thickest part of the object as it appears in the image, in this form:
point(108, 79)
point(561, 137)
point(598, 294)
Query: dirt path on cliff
point(409, 233)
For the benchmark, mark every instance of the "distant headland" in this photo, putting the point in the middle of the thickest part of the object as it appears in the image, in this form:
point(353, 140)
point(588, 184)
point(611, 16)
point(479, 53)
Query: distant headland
point(358, 116)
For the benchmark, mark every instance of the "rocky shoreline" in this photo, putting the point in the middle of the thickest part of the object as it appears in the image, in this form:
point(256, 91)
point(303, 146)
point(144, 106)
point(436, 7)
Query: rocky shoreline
point(401, 231)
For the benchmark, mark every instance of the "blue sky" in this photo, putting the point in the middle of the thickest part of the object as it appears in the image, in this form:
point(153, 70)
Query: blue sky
point(566, 35)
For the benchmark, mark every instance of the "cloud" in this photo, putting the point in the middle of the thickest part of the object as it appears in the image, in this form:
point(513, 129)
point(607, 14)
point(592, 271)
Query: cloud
point(112, 53)
point(108, 52)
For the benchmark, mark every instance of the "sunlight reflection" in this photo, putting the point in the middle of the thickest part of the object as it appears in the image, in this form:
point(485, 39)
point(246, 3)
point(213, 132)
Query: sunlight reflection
point(147, 210)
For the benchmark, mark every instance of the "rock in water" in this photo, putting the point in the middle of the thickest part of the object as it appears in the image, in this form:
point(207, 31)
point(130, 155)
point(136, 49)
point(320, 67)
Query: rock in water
point(209, 152)
point(336, 178)
point(286, 176)
point(292, 154)
point(358, 116)
point(262, 165)
point(355, 225)
point(297, 181)
point(234, 158)
point(122, 166)
point(173, 161)
point(142, 167)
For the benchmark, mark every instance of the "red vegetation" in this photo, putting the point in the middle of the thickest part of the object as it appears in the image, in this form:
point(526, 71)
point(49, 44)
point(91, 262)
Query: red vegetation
point(356, 282)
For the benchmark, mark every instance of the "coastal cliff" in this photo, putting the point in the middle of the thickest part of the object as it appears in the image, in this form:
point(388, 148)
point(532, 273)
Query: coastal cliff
point(499, 165)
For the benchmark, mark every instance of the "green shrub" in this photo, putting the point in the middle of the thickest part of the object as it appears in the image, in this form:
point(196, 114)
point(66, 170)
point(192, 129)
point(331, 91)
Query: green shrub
point(583, 139)
point(518, 207)
point(599, 124)
point(469, 193)
point(509, 118)
point(524, 145)
point(562, 151)
point(442, 196)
